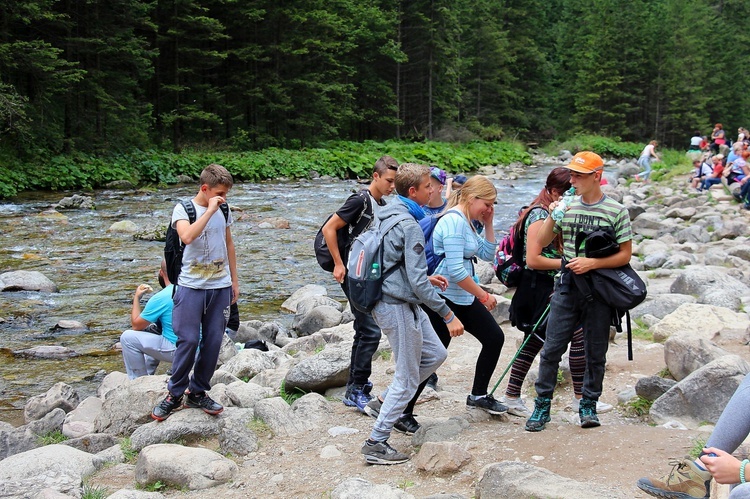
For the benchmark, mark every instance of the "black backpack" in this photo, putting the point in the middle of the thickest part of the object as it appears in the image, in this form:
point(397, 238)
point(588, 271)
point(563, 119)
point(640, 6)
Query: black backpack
point(173, 247)
point(345, 236)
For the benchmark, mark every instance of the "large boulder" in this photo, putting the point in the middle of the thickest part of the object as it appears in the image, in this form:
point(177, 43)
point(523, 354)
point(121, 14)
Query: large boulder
point(717, 324)
point(688, 351)
point(290, 304)
point(26, 280)
point(59, 467)
point(186, 424)
point(326, 369)
point(129, 406)
point(248, 363)
point(515, 479)
point(702, 396)
point(17, 440)
point(358, 488)
point(183, 467)
point(711, 285)
point(60, 395)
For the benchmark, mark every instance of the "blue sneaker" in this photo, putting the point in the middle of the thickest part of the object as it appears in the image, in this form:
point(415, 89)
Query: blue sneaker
point(357, 398)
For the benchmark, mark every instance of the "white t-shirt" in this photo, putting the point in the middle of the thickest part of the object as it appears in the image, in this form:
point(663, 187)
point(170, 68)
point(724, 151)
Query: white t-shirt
point(696, 141)
point(205, 262)
point(647, 151)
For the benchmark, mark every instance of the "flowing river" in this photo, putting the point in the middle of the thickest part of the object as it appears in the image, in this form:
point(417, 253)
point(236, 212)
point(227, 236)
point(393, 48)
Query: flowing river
point(97, 271)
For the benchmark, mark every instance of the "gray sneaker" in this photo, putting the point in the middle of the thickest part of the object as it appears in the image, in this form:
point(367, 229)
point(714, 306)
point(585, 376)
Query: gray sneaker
point(382, 453)
point(372, 408)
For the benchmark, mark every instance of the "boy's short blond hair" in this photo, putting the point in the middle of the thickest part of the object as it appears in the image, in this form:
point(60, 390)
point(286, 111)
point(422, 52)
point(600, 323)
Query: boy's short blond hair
point(410, 175)
point(215, 174)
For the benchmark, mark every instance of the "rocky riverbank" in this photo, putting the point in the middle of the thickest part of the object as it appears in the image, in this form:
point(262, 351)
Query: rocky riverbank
point(690, 354)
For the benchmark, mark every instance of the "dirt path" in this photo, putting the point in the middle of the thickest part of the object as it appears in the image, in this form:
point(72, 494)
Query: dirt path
point(618, 453)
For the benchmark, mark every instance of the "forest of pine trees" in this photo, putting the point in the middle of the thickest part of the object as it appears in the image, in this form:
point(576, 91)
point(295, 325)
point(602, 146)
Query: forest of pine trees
point(104, 76)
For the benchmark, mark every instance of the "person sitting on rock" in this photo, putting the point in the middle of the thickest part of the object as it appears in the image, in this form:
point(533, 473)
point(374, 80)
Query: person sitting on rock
point(692, 478)
point(151, 338)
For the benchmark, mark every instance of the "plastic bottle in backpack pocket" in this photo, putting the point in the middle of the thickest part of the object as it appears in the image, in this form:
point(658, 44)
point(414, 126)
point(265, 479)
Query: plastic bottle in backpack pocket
point(562, 206)
point(374, 272)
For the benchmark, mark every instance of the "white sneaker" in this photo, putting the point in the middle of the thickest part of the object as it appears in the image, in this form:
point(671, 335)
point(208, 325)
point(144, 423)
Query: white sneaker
point(516, 406)
point(601, 407)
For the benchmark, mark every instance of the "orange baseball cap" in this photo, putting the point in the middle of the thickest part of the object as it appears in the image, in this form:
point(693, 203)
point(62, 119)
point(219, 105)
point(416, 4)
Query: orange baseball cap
point(586, 162)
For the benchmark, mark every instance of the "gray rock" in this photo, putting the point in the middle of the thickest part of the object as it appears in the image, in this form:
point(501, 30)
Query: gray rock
point(93, 443)
point(514, 479)
point(312, 407)
point(679, 261)
point(188, 424)
point(246, 395)
point(123, 227)
point(703, 395)
point(661, 305)
point(80, 421)
point(129, 405)
point(321, 371)
point(184, 467)
point(742, 251)
point(484, 271)
point(151, 233)
point(693, 234)
point(57, 467)
point(120, 185)
point(248, 363)
point(46, 352)
point(280, 417)
point(653, 387)
point(227, 350)
point(17, 440)
point(290, 304)
point(26, 280)
point(111, 382)
point(696, 280)
point(731, 229)
point(76, 201)
point(235, 435)
point(717, 324)
point(317, 319)
point(112, 455)
point(441, 457)
point(683, 213)
point(358, 488)
point(307, 344)
point(440, 431)
point(60, 395)
point(308, 303)
point(656, 259)
point(221, 376)
point(688, 351)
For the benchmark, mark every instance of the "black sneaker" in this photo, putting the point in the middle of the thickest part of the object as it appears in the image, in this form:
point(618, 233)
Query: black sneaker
point(204, 402)
point(488, 403)
point(540, 417)
point(165, 407)
point(432, 381)
point(587, 413)
point(382, 453)
point(407, 424)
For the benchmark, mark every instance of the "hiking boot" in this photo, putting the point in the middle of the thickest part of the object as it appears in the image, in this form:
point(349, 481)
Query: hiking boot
point(587, 413)
point(516, 406)
point(165, 407)
point(372, 408)
point(685, 481)
point(540, 416)
point(204, 402)
point(382, 453)
point(601, 407)
point(432, 381)
point(367, 388)
point(357, 398)
point(488, 403)
point(407, 424)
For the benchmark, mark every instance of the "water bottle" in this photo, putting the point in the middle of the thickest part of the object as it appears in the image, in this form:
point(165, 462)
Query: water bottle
point(375, 272)
point(559, 212)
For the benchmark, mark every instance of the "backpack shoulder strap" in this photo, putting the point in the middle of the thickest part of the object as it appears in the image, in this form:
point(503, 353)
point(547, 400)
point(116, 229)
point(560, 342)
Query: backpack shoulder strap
point(225, 210)
point(189, 209)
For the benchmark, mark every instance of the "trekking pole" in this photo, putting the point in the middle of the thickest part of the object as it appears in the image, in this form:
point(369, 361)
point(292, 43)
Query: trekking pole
point(542, 318)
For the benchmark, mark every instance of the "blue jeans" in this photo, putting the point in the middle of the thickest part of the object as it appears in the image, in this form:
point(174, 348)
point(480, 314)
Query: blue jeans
point(569, 309)
point(709, 181)
point(645, 163)
point(366, 340)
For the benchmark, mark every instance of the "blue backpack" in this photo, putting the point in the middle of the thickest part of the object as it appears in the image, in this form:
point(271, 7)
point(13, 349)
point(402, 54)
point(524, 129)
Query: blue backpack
point(428, 227)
